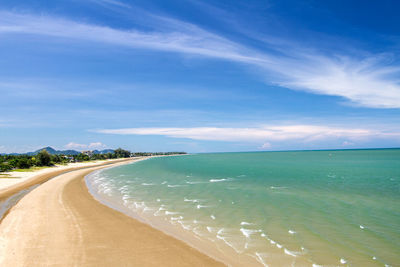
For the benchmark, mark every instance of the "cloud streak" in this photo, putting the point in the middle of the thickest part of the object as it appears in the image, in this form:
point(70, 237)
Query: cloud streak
point(91, 146)
point(370, 81)
point(265, 134)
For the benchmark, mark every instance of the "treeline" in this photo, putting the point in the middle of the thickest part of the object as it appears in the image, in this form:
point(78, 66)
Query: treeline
point(44, 158)
point(142, 154)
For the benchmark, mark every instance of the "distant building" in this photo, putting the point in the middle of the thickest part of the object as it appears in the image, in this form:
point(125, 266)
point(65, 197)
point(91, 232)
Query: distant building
point(88, 153)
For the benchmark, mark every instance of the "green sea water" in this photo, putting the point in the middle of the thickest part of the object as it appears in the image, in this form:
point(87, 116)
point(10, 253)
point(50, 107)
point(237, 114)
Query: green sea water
point(329, 208)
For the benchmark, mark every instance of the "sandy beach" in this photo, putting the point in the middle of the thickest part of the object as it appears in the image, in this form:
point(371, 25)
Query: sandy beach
point(60, 223)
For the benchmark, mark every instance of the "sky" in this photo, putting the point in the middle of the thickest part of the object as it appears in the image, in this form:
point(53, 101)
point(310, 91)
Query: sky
point(199, 76)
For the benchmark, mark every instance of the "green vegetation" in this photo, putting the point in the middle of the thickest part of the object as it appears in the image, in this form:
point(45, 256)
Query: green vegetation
point(43, 158)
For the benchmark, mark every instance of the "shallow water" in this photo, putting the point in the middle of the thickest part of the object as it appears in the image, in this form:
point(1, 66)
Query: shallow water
point(301, 208)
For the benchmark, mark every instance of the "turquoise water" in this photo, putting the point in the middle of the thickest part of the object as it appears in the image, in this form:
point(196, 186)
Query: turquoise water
point(330, 208)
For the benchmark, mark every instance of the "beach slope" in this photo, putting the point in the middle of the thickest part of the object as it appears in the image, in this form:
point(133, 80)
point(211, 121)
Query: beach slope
point(60, 223)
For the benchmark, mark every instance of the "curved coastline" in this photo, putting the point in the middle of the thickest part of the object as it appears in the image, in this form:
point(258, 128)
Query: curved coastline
point(59, 222)
point(10, 195)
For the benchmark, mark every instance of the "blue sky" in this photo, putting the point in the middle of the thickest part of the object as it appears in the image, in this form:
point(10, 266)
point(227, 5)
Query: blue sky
point(199, 76)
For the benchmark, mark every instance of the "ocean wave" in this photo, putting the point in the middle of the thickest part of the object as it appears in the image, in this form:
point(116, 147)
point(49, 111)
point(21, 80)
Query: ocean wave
point(260, 258)
point(191, 200)
point(277, 187)
point(292, 253)
point(195, 182)
point(171, 212)
point(246, 223)
point(220, 180)
point(291, 232)
point(248, 232)
point(175, 185)
point(146, 184)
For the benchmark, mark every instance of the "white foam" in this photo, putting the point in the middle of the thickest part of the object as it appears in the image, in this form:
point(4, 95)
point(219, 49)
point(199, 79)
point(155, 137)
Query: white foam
point(272, 241)
point(362, 227)
point(263, 235)
point(260, 258)
point(316, 265)
point(197, 232)
point(229, 244)
point(279, 245)
point(343, 261)
point(212, 217)
point(246, 223)
point(148, 209)
point(164, 182)
point(248, 232)
point(190, 182)
point(291, 253)
point(291, 232)
point(176, 218)
point(210, 229)
point(146, 184)
point(171, 212)
point(220, 180)
point(126, 197)
point(374, 258)
point(201, 206)
point(175, 185)
point(185, 226)
point(191, 200)
point(277, 187)
point(158, 200)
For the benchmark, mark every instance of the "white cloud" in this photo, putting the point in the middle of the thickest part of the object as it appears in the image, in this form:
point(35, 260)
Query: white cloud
point(265, 134)
point(96, 145)
point(91, 146)
point(370, 81)
point(73, 145)
point(111, 2)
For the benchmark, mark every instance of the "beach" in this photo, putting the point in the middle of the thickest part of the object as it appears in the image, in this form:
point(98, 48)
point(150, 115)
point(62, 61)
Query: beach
point(60, 223)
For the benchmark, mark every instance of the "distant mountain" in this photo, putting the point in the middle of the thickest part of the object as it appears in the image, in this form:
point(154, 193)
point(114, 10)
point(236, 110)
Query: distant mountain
point(105, 151)
point(52, 151)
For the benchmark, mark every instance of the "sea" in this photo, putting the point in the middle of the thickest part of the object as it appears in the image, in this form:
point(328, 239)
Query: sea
point(292, 208)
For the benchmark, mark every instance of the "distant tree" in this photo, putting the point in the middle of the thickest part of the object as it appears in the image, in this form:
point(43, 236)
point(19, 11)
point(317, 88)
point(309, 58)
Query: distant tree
point(121, 153)
point(4, 167)
point(43, 158)
point(24, 163)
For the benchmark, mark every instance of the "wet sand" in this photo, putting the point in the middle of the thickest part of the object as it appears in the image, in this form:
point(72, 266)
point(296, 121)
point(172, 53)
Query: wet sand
point(60, 223)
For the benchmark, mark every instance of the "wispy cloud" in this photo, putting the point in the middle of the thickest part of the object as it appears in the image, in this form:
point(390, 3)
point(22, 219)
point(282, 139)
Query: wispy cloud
point(369, 81)
point(91, 146)
point(265, 134)
point(112, 2)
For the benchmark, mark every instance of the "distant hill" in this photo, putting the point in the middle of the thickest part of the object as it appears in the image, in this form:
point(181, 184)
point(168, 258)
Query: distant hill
point(52, 151)
point(105, 151)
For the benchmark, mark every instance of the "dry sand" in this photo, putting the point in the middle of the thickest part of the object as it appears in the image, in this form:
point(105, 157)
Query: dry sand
point(60, 224)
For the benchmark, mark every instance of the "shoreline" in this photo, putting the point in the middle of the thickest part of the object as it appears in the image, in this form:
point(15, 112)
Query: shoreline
point(230, 258)
point(87, 231)
point(13, 189)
